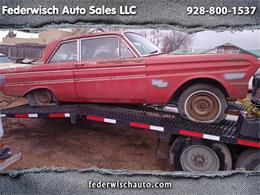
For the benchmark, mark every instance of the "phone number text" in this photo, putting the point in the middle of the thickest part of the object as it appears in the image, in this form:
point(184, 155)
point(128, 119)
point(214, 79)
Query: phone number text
point(221, 10)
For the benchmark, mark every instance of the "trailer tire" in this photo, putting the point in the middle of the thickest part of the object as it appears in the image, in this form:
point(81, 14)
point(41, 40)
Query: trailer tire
point(175, 151)
point(224, 155)
point(203, 103)
point(213, 155)
point(249, 160)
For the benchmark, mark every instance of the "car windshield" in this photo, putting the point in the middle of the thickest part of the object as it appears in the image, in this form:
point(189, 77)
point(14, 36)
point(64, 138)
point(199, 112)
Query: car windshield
point(4, 59)
point(144, 46)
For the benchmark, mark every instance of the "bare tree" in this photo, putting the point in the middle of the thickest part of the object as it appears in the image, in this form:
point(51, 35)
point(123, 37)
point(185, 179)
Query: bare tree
point(11, 34)
point(175, 40)
point(156, 36)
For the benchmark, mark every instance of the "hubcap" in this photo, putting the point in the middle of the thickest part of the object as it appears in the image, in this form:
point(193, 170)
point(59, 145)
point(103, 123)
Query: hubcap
point(43, 96)
point(203, 106)
point(199, 158)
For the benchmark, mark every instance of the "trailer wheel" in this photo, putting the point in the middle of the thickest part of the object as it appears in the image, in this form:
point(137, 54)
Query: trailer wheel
point(202, 103)
point(224, 155)
point(191, 154)
point(40, 97)
point(199, 158)
point(249, 160)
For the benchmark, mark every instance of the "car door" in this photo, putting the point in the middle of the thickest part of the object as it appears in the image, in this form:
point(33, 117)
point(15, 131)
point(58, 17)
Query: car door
point(109, 72)
point(58, 73)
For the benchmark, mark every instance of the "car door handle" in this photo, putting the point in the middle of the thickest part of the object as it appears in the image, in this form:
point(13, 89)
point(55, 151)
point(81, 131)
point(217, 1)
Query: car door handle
point(79, 65)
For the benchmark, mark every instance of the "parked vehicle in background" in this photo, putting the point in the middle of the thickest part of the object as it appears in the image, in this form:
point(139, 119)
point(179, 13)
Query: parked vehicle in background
point(4, 59)
point(125, 68)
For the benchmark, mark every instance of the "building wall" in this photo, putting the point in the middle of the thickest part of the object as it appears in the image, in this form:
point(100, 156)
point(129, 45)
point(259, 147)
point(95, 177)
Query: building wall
point(22, 51)
point(47, 36)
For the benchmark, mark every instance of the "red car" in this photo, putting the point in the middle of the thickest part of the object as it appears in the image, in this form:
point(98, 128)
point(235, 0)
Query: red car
point(123, 67)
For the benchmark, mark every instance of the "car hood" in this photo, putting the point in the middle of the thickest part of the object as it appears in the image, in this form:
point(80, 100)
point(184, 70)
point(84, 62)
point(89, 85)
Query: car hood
point(6, 67)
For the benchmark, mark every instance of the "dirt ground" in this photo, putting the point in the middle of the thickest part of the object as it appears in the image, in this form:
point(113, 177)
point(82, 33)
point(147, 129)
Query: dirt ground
point(46, 143)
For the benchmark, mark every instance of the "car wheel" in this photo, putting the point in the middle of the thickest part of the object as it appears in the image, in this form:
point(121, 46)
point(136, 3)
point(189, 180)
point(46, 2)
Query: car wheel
point(202, 103)
point(41, 97)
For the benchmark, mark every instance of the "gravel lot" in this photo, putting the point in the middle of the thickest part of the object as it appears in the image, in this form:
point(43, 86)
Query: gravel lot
point(53, 142)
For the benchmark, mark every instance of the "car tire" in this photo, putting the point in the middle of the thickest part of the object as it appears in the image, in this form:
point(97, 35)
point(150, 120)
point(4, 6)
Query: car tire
point(202, 103)
point(40, 97)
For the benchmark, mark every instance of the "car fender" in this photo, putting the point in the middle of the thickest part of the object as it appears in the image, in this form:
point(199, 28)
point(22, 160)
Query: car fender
point(198, 79)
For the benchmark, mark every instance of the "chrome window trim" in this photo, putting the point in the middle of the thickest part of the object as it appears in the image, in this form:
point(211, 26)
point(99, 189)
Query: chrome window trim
point(120, 46)
point(78, 50)
point(131, 42)
point(58, 46)
point(106, 36)
point(135, 47)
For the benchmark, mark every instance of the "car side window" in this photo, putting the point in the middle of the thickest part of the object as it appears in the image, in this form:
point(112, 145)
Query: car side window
point(65, 53)
point(99, 48)
point(125, 52)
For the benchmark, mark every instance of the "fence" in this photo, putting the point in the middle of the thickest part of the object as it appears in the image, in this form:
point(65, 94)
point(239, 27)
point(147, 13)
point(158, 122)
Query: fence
point(18, 51)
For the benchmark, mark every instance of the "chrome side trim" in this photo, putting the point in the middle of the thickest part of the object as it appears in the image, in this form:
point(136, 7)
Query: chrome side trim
point(111, 77)
point(72, 80)
point(85, 69)
point(113, 68)
point(234, 75)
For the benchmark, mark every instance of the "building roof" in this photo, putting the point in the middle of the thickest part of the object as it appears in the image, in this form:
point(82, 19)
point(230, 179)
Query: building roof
point(255, 52)
point(189, 51)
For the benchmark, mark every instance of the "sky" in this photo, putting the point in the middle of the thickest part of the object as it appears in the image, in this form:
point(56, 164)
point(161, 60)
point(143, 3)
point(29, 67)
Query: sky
point(18, 34)
point(202, 40)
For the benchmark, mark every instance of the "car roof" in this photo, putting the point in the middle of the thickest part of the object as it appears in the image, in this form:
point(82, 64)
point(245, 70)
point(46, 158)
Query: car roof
point(52, 45)
point(85, 35)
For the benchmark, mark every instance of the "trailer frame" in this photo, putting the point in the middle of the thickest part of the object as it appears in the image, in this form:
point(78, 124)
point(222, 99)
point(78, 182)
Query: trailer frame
point(141, 116)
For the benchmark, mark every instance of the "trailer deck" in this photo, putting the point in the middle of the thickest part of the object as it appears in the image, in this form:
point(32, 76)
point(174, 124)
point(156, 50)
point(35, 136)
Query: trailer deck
point(140, 116)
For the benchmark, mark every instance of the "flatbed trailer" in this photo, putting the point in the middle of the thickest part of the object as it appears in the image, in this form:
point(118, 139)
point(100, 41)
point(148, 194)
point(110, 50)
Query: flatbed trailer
point(179, 133)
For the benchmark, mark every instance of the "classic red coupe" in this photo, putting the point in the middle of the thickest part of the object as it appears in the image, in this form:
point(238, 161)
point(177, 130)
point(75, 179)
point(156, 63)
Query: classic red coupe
point(124, 67)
